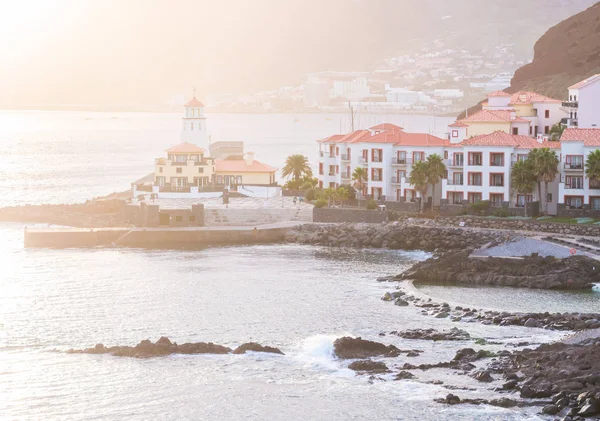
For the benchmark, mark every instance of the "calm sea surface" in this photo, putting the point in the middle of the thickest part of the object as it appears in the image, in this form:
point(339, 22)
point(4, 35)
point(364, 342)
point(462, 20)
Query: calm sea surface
point(298, 298)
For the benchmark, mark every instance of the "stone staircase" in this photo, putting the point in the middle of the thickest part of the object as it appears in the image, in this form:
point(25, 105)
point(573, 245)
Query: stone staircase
point(245, 217)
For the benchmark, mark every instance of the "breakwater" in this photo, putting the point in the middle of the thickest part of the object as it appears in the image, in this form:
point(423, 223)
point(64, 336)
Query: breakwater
point(188, 237)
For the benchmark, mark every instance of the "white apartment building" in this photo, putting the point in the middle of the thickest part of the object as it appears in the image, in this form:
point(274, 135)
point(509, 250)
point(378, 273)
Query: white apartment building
point(386, 151)
point(576, 190)
point(479, 168)
point(583, 105)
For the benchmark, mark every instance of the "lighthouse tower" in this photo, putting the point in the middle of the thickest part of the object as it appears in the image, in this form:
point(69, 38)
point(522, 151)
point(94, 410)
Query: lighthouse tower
point(194, 124)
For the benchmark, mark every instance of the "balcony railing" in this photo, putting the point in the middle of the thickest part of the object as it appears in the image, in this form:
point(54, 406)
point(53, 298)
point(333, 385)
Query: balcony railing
point(376, 178)
point(174, 189)
point(574, 186)
point(363, 161)
point(326, 154)
point(455, 182)
point(454, 163)
point(573, 166)
point(163, 161)
point(496, 163)
point(401, 161)
point(570, 104)
point(346, 176)
point(396, 180)
point(345, 157)
point(331, 174)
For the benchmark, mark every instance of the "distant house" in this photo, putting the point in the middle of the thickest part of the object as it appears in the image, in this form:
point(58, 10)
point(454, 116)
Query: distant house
point(583, 104)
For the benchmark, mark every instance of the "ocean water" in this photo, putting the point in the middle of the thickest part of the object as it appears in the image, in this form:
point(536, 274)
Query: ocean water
point(298, 298)
point(67, 157)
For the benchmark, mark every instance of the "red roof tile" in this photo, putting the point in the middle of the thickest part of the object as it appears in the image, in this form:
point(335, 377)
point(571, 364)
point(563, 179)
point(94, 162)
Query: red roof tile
point(193, 103)
point(185, 147)
point(331, 139)
point(355, 136)
point(584, 82)
point(386, 126)
point(500, 138)
point(240, 165)
point(589, 137)
point(458, 124)
point(498, 93)
point(400, 138)
point(526, 97)
point(495, 116)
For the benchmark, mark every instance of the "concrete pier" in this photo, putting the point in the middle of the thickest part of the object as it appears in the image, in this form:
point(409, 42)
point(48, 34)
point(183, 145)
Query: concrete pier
point(185, 237)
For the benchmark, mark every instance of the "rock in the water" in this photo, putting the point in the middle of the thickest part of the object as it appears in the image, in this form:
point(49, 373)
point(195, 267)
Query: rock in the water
point(255, 347)
point(550, 410)
point(400, 302)
point(369, 365)
point(348, 347)
point(531, 322)
point(483, 376)
point(404, 375)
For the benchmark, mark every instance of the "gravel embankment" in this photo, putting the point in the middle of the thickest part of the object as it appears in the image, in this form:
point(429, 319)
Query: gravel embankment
point(524, 247)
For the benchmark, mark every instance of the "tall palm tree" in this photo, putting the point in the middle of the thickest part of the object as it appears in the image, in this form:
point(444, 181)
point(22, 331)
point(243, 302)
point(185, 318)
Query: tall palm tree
point(545, 167)
point(296, 166)
point(436, 170)
point(418, 178)
point(360, 177)
point(592, 168)
point(532, 158)
point(522, 177)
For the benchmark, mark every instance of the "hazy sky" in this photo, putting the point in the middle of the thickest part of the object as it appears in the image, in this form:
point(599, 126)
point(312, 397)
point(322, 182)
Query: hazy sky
point(133, 51)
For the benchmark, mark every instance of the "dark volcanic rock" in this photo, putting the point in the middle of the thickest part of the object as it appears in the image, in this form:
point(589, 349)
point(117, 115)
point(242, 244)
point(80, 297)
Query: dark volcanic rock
point(453, 334)
point(253, 346)
point(369, 365)
point(404, 375)
point(456, 268)
point(147, 349)
point(348, 347)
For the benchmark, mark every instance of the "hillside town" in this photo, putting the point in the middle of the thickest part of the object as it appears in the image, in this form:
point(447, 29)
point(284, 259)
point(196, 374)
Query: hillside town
point(435, 80)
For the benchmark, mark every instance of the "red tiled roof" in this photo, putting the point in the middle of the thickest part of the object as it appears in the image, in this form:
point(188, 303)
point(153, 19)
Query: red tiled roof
point(499, 138)
point(589, 137)
point(585, 81)
point(495, 116)
point(400, 138)
point(355, 136)
point(498, 93)
point(240, 165)
point(331, 139)
point(458, 124)
point(193, 103)
point(526, 97)
point(386, 126)
point(185, 147)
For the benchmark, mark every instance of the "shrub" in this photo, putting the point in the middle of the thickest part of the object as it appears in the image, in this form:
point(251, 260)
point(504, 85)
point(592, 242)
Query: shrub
point(480, 207)
point(321, 203)
point(307, 185)
point(371, 204)
point(501, 212)
point(310, 194)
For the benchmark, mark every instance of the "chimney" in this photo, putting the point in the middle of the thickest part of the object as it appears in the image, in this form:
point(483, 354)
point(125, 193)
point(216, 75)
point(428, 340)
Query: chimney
point(249, 158)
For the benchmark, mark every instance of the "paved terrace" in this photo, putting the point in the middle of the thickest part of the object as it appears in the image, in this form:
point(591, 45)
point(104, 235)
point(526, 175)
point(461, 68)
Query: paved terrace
point(234, 203)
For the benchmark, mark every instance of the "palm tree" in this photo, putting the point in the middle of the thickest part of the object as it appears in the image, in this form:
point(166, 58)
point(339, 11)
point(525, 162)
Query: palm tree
point(556, 131)
point(522, 177)
point(436, 170)
point(331, 195)
point(343, 194)
point(532, 158)
point(360, 177)
point(545, 167)
point(418, 178)
point(592, 168)
point(296, 166)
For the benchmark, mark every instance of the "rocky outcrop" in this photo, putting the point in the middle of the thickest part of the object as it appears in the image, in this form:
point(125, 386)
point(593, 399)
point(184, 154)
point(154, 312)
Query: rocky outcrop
point(576, 272)
point(369, 366)
point(348, 347)
point(453, 334)
point(566, 54)
point(255, 347)
point(164, 346)
point(405, 236)
point(569, 375)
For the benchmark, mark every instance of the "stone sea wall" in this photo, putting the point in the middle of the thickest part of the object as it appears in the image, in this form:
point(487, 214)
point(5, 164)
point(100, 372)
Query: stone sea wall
point(523, 225)
point(397, 235)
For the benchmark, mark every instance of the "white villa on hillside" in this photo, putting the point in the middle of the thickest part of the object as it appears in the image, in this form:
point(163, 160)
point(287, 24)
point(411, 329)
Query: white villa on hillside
point(583, 104)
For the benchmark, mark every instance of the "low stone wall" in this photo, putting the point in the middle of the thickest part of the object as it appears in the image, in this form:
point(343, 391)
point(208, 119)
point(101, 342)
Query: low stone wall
point(531, 209)
point(523, 225)
point(336, 215)
point(586, 212)
point(408, 207)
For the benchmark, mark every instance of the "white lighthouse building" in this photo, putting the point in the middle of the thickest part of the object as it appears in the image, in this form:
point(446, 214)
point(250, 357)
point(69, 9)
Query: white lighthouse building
point(194, 124)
